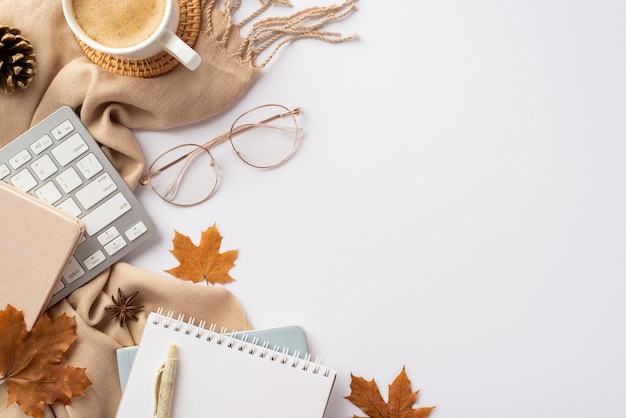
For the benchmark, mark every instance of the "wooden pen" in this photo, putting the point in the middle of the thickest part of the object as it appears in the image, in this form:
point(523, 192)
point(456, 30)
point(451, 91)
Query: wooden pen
point(164, 386)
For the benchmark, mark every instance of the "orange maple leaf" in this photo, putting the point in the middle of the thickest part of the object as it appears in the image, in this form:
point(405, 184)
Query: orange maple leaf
point(31, 361)
point(366, 396)
point(203, 262)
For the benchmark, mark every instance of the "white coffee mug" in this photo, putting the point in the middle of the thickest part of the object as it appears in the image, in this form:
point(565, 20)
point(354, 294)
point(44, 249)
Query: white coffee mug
point(162, 39)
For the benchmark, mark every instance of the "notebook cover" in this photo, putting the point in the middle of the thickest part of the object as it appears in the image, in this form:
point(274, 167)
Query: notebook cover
point(36, 245)
point(221, 377)
point(292, 337)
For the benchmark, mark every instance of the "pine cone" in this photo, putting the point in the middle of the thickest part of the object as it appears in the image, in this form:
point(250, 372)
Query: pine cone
point(17, 61)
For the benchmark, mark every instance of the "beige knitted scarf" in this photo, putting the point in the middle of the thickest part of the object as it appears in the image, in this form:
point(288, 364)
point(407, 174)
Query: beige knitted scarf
point(112, 106)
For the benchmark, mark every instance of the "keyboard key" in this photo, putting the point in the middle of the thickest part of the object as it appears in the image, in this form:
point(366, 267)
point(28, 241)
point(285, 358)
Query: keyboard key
point(108, 235)
point(4, 171)
point(63, 129)
point(23, 180)
point(70, 206)
point(73, 271)
point(19, 159)
point(115, 245)
point(106, 213)
point(89, 166)
point(41, 144)
point(69, 180)
point(135, 231)
point(49, 193)
point(95, 191)
point(59, 286)
point(94, 259)
point(44, 167)
point(69, 149)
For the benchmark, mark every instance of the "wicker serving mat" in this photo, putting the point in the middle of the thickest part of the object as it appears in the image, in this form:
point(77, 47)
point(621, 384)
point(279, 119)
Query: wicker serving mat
point(188, 29)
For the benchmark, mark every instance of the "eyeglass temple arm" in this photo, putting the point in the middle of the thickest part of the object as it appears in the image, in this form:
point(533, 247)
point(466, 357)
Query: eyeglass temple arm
point(208, 145)
point(172, 188)
point(146, 179)
point(249, 126)
point(244, 128)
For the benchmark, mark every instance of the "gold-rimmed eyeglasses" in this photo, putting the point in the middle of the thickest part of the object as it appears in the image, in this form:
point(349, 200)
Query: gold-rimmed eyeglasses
point(263, 137)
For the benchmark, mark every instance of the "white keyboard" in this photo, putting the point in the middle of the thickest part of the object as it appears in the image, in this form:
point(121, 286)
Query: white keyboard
point(59, 162)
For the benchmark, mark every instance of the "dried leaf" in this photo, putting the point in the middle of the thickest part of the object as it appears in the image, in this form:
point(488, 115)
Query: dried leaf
point(366, 396)
point(203, 262)
point(31, 361)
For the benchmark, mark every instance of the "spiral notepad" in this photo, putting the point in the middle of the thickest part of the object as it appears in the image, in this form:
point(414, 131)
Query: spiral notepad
point(219, 375)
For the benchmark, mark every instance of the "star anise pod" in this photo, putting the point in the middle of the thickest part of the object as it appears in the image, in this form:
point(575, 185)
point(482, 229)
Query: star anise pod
point(123, 307)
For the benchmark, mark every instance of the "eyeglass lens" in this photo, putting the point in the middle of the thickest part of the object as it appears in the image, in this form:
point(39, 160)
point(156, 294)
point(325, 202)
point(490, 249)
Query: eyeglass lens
point(265, 145)
point(191, 176)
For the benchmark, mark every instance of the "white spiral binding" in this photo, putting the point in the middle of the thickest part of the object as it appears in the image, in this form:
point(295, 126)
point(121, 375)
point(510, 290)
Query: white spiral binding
point(252, 348)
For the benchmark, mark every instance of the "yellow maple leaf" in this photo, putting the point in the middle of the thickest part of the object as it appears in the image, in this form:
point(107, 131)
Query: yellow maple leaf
point(31, 361)
point(202, 262)
point(366, 396)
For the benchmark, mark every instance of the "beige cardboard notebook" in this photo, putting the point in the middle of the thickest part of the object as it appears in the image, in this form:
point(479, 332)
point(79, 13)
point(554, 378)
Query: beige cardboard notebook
point(37, 241)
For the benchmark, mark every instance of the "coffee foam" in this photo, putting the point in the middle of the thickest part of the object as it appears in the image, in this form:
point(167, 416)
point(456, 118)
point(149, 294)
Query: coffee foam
point(119, 23)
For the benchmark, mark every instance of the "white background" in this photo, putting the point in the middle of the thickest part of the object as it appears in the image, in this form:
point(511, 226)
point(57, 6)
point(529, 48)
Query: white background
point(457, 205)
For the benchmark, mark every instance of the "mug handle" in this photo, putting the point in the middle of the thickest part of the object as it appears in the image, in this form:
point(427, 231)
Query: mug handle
point(180, 50)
